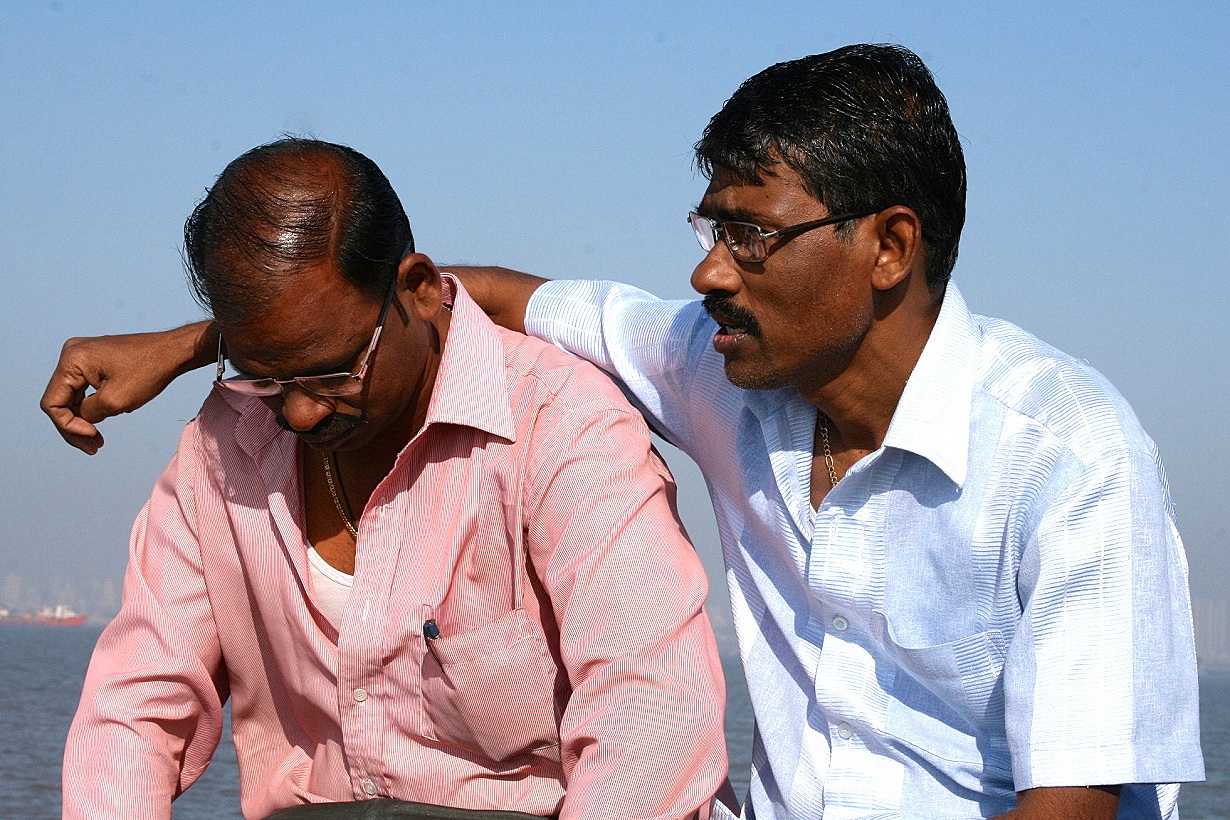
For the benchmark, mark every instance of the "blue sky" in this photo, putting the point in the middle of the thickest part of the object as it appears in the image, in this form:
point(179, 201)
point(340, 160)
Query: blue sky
point(556, 138)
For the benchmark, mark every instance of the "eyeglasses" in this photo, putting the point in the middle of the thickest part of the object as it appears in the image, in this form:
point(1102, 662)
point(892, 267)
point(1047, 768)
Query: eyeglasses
point(326, 386)
point(747, 242)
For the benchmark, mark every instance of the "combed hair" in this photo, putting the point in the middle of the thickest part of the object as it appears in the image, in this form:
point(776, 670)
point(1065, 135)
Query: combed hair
point(278, 209)
point(865, 127)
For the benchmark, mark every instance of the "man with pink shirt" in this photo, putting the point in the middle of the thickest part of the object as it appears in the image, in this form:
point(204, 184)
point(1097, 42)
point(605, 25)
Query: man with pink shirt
point(424, 557)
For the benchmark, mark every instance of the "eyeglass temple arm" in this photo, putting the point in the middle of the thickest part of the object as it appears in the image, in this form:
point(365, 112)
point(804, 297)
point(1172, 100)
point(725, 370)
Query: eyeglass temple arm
point(221, 359)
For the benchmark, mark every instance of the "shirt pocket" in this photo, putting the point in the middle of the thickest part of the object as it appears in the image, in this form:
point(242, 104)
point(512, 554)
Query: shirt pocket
point(948, 698)
point(491, 690)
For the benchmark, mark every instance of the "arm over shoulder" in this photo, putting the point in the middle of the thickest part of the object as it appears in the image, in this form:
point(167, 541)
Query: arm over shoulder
point(654, 349)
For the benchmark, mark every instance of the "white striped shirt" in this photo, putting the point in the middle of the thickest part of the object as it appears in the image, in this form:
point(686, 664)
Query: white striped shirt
point(994, 600)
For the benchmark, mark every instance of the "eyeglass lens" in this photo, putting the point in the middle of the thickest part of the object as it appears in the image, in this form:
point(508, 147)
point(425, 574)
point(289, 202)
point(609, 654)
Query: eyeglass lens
point(745, 240)
point(705, 230)
point(341, 384)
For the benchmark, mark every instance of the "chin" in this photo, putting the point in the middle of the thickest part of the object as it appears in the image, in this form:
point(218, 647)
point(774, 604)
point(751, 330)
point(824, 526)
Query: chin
point(356, 440)
point(753, 378)
point(349, 439)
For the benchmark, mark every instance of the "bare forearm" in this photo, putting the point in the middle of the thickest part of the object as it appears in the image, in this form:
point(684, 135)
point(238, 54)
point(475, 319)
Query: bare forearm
point(196, 343)
point(1066, 803)
point(124, 371)
point(503, 294)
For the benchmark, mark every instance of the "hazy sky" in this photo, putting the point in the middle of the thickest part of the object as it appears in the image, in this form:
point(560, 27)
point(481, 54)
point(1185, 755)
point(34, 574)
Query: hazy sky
point(556, 138)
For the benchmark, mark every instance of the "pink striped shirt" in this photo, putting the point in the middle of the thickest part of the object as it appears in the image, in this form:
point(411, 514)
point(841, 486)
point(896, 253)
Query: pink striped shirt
point(575, 670)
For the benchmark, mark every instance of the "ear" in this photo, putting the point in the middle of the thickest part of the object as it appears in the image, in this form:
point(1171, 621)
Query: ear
point(419, 283)
point(900, 248)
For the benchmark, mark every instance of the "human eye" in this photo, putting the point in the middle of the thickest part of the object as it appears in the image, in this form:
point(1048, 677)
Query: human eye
point(743, 234)
point(251, 386)
point(333, 384)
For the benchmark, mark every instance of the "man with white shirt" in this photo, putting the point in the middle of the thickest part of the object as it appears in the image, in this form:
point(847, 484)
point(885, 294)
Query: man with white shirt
point(956, 578)
point(957, 582)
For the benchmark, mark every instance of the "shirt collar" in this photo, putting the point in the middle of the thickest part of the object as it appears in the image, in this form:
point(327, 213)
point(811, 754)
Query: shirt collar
point(933, 416)
point(471, 387)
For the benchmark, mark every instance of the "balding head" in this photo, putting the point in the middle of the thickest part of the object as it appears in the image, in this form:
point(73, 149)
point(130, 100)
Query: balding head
point(287, 206)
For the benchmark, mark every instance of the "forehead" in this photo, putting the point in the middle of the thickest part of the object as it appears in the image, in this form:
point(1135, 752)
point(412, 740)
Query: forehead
point(778, 198)
point(313, 326)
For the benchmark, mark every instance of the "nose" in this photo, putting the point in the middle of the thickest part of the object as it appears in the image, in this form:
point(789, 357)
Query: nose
point(716, 272)
point(302, 410)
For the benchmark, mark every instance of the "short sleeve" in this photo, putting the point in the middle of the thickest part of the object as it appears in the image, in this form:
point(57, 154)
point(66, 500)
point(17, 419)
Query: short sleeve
point(650, 346)
point(1100, 683)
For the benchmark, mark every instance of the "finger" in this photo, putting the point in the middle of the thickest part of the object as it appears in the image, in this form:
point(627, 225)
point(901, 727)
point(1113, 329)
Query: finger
point(75, 430)
point(86, 444)
point(64, 389)
point(63, 394)
point(100, 404)
point(60, 401)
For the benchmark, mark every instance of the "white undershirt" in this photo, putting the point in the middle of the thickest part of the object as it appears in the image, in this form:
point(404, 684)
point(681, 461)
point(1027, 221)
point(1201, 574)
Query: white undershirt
point(330, 585)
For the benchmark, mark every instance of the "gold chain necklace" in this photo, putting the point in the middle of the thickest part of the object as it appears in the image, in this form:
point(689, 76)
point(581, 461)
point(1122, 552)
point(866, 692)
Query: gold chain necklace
point(337, 502)
point(824, 446)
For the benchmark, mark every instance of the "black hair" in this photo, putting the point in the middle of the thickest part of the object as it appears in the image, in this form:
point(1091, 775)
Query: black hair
point(865, 127)
point(289, 204)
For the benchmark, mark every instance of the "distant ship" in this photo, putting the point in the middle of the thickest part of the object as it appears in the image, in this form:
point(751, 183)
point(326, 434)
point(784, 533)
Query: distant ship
point(60, 616)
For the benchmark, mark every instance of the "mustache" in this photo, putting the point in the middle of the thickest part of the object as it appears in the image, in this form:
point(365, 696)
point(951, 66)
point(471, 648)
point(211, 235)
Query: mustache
point(330, 426)
point(725, 312)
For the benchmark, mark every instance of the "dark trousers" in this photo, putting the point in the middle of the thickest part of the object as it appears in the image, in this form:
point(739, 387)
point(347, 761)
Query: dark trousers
point(386, 809)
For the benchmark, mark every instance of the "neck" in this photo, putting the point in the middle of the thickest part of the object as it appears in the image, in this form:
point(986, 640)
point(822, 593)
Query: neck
point(369, 464)
point(861, 400)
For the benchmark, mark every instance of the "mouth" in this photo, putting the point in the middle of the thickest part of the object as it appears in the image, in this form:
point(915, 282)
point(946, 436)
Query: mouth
point(729, 329)
point(735, 325)
point(728, 337)
point(329, 433)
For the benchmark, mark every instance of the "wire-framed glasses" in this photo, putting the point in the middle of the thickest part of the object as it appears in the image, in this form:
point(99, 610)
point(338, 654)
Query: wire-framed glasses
point(327, 385)
point(748, 242)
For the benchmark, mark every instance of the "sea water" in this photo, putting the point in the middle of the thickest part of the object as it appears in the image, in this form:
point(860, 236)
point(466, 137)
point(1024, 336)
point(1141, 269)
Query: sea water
point(41, 670)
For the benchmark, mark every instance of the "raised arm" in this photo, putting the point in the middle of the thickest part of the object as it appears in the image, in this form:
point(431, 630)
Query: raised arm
point(124, 371)
point(127, 371)
point(502, 293)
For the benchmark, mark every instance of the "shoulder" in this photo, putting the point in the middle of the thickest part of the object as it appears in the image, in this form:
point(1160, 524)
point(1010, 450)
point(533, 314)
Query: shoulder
point(224, 414)
point(621, 323)
point(552, 376)
point(1058, 394)
point(229, 431)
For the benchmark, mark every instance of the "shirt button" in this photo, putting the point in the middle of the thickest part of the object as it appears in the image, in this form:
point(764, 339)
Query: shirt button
point(840, 623)
point(844, 731)
point(359, 695)
point(369, 788)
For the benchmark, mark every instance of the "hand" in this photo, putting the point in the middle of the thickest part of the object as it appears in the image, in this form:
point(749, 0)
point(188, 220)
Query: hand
point(503, 294)
point(125, 373)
